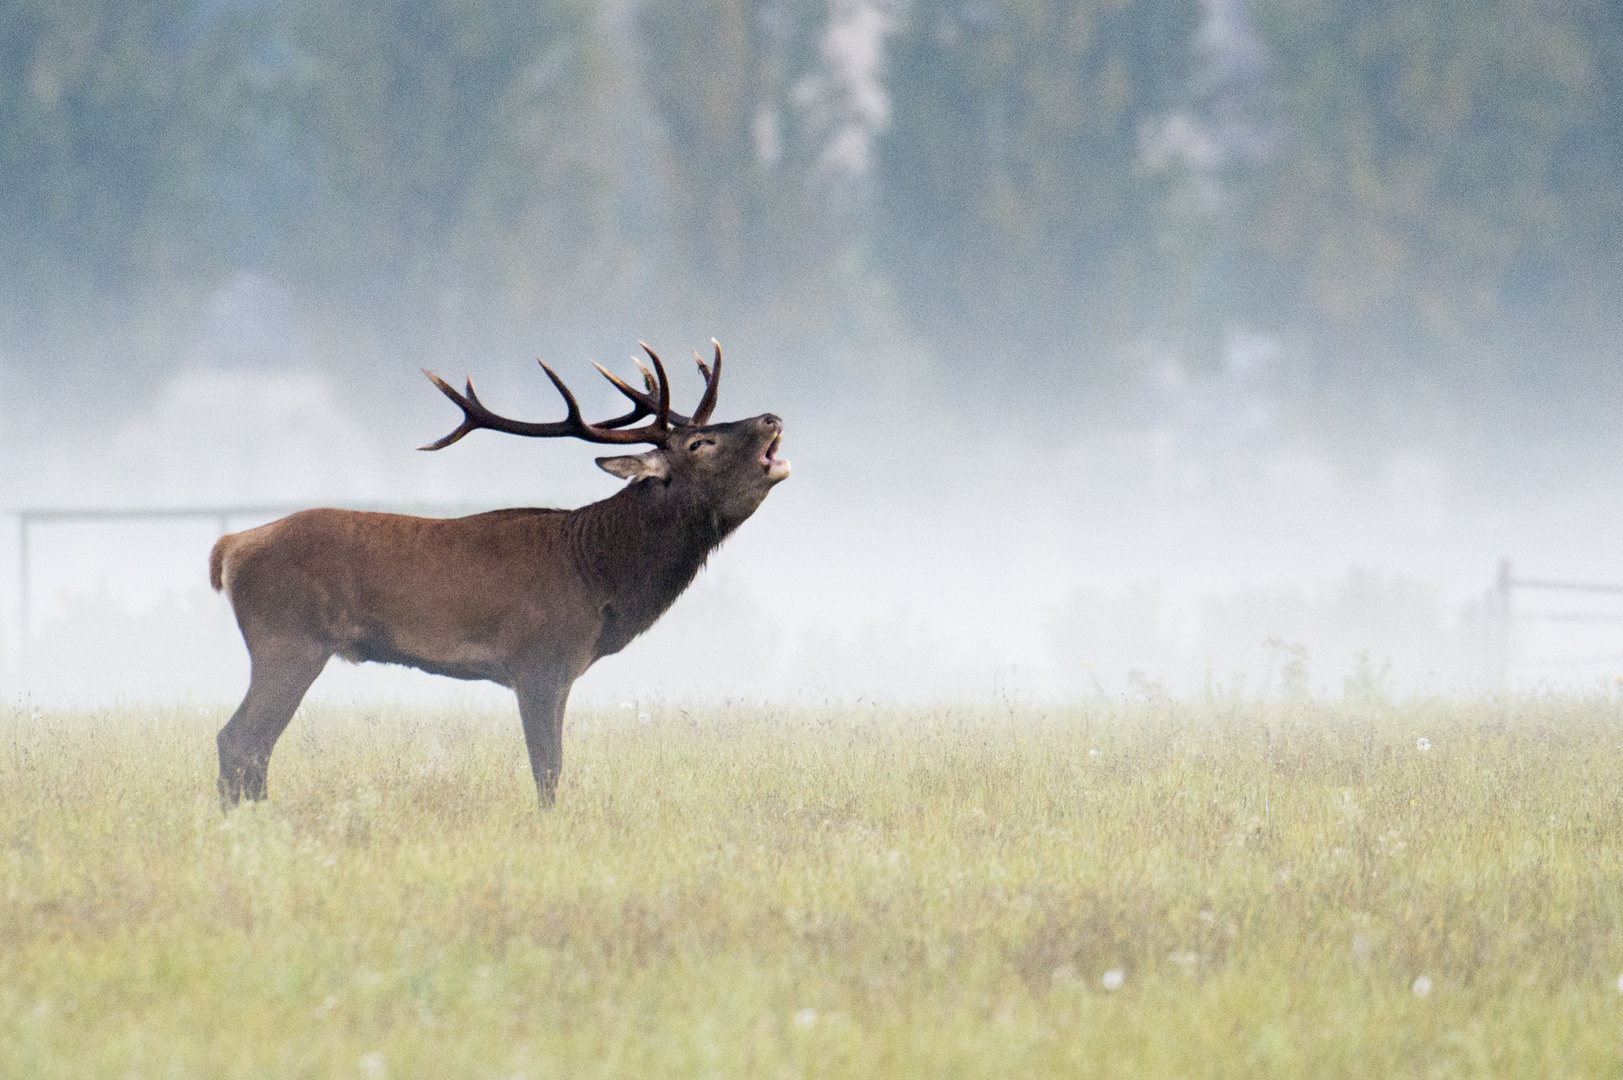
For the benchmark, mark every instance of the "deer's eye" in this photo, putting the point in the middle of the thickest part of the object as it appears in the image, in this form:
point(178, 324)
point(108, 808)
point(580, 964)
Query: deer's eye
point(693, 447)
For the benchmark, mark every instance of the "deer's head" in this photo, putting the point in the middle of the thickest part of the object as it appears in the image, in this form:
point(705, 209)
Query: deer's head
point(728, 467)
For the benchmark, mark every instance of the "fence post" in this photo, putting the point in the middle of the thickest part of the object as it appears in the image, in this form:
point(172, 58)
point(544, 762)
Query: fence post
point(23, 586)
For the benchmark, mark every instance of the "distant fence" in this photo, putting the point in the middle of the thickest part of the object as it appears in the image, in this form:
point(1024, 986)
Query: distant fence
point(223, 515)
point(1507, 584)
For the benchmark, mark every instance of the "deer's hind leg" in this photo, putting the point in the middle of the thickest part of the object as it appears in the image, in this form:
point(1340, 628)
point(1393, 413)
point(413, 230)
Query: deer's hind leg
point(283, 670)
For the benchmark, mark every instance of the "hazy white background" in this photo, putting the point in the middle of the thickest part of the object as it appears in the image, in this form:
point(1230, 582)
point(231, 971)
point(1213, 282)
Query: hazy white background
point(910, 555)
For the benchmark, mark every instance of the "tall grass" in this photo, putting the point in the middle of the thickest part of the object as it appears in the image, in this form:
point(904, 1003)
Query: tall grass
point(742, 891)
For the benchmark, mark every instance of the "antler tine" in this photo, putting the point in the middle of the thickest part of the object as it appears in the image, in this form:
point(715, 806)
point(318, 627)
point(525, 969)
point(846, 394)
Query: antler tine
point(467, 424)
point(647, 375)
point(643, 405)
point(573, 417)
point(712, 384)
point(662, 422)
point(647, 404)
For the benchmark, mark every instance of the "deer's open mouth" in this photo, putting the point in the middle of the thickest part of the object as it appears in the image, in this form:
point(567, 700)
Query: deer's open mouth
point(776, 468)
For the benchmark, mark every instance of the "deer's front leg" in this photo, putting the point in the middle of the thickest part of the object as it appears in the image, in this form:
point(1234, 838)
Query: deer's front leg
point(542, 695)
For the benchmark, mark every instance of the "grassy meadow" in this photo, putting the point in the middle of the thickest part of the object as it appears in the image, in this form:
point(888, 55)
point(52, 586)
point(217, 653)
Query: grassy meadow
point(1159, 890)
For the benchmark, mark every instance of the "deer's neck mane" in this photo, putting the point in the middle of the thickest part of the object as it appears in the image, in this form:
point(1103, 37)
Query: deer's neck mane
point(639, 549)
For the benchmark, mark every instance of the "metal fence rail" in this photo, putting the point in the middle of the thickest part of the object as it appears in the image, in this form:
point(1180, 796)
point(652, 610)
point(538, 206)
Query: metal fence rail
point(1505, 588)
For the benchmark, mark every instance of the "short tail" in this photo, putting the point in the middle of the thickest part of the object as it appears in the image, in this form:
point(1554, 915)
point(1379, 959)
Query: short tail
point(217, 563)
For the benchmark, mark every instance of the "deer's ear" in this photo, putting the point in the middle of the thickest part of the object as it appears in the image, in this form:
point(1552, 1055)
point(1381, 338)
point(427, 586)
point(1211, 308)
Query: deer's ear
point(637, 466)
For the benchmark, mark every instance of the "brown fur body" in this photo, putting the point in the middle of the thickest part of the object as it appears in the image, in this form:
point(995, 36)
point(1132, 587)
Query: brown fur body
point(528, 598)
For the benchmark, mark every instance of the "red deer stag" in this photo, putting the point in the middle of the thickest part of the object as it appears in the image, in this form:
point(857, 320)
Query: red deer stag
point(528, 598)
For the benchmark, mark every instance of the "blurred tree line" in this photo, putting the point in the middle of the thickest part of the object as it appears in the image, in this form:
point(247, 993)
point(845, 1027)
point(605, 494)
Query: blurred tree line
point(1420, 198)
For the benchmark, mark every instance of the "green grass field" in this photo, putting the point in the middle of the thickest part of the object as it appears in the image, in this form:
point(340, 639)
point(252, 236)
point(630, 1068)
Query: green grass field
point(757, 891)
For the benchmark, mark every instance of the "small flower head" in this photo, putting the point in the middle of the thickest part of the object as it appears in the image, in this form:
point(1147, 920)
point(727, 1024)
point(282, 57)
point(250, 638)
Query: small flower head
point(1422, 986)
point(1113, 979)
point(805, 1018)
point(1422, 743)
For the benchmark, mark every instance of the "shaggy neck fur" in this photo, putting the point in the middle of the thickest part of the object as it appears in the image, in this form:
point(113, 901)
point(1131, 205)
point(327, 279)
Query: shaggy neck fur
point(640, 549)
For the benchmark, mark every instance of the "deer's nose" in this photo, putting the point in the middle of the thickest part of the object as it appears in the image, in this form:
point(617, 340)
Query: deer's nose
point(772, 420)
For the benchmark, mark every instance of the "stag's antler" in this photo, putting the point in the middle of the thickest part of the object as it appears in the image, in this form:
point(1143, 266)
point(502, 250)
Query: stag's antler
point(658, 432)
point(712, 382)
point(647, 401)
